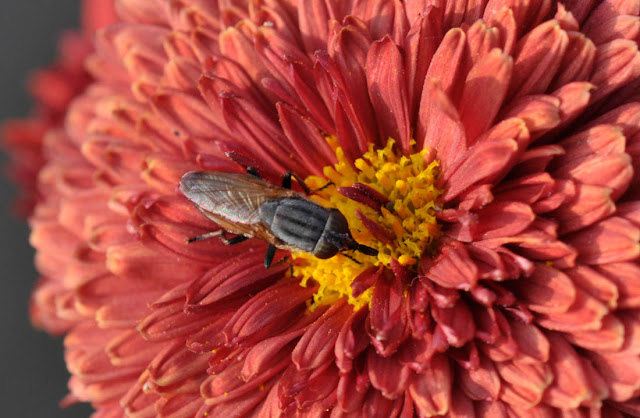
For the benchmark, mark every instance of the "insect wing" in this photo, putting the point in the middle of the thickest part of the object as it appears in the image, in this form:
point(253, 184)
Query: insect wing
point(235, 197)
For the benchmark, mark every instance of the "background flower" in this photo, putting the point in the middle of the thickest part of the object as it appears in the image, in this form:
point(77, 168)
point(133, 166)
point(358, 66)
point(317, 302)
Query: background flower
point(29, 38)
point(522, 301)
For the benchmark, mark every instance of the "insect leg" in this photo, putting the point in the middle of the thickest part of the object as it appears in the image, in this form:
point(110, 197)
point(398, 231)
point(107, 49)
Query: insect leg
point(253, 172)
point(235, 240)
point(219, 233)
point(351, 258)
point(286, 183)
point(206, 236)
point(268, 257)
point(366, 250)
point(323, 187)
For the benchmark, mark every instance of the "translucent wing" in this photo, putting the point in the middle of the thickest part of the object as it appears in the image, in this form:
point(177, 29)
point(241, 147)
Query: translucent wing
point(234, 197)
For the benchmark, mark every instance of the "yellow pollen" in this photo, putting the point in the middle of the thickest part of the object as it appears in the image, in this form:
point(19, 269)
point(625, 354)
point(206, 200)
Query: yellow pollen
point(408, 182)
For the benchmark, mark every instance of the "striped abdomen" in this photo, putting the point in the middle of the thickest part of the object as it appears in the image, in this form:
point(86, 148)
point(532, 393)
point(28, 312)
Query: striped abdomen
point(305, 225)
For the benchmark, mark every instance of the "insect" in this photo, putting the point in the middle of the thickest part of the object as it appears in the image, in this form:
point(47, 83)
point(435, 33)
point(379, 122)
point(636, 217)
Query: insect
point(247, 205)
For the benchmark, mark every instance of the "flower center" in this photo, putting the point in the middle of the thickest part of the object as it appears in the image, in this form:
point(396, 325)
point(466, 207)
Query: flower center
point(390, 201)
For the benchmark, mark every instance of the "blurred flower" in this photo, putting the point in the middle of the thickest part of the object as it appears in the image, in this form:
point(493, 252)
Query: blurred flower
point(52, 89)
point(489, 150)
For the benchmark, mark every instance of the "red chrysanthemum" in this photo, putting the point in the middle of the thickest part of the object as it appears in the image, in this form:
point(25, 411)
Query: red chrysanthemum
point(490, 150)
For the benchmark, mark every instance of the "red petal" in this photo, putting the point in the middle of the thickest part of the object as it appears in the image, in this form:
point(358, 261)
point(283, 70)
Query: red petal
point(590, 205)
point(621, 26)
point(274, 350)
point(453, 267)
point(570, 386)
point(524, 383)
point(317, 346)
point(595, 284)
point(449, 65)
point(617, 63)
point(241, 275)
point(609, 338)
point(387, 320)
point(352, 340)
point(610, 241)
point(482, 383)
point(457, 323)
point(621, 374)
point(547, 290)
point(624, 276)
point(387, 91)
point(484, 91)
point(309, 145)
point(420, 46)
point(585, 314)
point(612, 171)
point(482, 163)
point(387, 375)
point(540, 113)
point(431, 391)
point(365, 280)
point(538, 58)
point(438, 126)
point(267, 312)
point(577, 62)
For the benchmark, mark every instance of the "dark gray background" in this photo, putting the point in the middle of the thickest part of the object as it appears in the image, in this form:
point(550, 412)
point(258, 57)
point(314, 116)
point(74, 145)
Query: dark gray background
point(33, 377)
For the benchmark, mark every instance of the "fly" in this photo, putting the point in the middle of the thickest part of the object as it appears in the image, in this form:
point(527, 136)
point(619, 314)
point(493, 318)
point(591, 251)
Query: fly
point(248, 206)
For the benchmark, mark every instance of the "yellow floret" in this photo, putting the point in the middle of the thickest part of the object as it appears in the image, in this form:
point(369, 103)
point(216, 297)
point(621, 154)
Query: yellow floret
point(409, 184)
